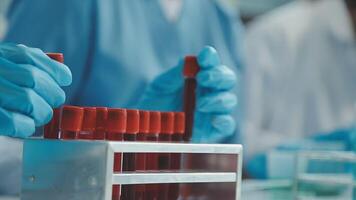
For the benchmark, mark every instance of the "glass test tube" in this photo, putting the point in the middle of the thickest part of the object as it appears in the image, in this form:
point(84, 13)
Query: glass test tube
point(71, 122)
point(140, 157)
point(191, 68)
point(175, 158)
point(167, 124)
point(88, 125)
point(151, 190)
point(129, 159)
point(100, 125)
point(51, 130)
point(115, 129)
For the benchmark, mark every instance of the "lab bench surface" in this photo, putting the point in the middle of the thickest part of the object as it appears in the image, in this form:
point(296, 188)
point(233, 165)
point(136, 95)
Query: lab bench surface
point(269, 190)
point(256, 195)
point(9, 198)
point(250, 196)
point(251, 190)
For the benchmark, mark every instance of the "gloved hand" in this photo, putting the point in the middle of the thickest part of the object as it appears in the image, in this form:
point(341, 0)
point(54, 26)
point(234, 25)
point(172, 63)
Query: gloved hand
point(346, 136)
point(29, 88)
point(214, 102)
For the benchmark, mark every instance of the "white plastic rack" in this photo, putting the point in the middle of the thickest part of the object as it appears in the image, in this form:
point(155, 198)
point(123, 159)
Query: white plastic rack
point(79, 169)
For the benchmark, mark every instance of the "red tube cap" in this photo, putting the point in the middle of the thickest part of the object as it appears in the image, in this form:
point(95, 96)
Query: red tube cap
point(101, 116)
point(72, 117)
point(89, 119)
point(144, 121)
point(179, 122)
point(167, 122)
point(155, 122)
point(133, 121)
point(191, 66)
point(56, 56)
point(116, 121)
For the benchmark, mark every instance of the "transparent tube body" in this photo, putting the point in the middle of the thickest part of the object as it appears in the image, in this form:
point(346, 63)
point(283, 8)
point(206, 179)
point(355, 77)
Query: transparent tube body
point(151, 192)
point(175, 164)
point(129, 165)
point(140, 167)
point(163, 165)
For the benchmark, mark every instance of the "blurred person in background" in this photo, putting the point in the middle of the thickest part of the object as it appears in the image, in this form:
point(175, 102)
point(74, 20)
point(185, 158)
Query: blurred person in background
point(300, 79)
point(3, 23)
point(250, 9)
point(120, 54)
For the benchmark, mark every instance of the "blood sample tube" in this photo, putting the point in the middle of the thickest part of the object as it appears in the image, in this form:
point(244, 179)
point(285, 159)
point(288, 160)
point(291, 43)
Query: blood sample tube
point(129, 160)
point(140, 157)
point(51, 130)
point(151, 190)
point(191, 68)
point(71, 122)
point(100, 125)
point(167, 124)
point(175, 159)
point(88, 125)
point(115, 129)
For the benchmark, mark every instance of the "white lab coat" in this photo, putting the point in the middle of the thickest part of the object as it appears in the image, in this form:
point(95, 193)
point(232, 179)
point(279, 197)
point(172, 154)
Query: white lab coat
point(300, 76)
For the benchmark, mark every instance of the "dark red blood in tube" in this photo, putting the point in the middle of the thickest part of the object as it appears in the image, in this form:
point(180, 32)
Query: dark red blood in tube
point(71, 122)
point(167, 125)
point(100, 125)
point(191, 68)
point(140, 157)
point(88, 125)
point(175, 159)
point(129, 160)
point(132, 128)
point(151, 192)
point(115, 129)
point(51, 130)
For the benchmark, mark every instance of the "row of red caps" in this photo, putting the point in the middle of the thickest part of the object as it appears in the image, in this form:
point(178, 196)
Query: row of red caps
point(101, 123)
point(115, 124)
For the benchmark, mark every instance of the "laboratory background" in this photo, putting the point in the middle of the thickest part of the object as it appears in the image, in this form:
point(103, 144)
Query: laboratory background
point(178, 99)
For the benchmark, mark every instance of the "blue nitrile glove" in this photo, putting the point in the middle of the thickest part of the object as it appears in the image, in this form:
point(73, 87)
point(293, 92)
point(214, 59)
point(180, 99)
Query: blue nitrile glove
point(29, 88)
point(345, 136)
point(214, 101)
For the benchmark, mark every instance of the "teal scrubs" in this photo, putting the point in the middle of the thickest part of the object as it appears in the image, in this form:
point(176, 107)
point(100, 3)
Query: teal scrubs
point(114, 48)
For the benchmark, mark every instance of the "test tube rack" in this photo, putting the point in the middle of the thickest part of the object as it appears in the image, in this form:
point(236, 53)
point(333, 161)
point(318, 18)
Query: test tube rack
point(80, 169)
point(303, 158)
